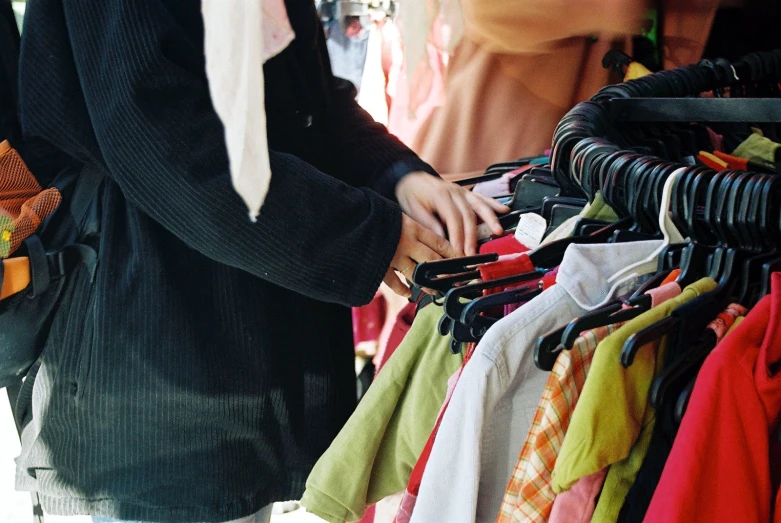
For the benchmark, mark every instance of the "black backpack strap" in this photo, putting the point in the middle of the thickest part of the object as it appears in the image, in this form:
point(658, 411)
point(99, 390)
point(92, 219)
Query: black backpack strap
point(90, 179)
point(40, 276)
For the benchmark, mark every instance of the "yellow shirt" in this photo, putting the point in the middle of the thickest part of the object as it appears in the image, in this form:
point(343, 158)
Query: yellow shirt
point(613, 408)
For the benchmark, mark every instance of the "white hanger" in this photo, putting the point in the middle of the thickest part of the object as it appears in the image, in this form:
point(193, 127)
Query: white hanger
point(670, 232)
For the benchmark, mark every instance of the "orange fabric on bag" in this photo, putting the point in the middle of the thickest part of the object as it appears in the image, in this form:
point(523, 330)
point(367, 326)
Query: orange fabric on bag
point(16, 276)
point(24, 204)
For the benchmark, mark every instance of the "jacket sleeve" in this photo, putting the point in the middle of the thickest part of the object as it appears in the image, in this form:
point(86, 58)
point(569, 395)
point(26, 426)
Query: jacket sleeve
point(369, 155)
point(162, 143)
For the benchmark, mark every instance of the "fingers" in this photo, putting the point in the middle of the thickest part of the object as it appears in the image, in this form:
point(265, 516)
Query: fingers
point(417, 244)
point(433, 245)
point(428, 219)
point(469, 223)
point(395, 284)
point(494, 204)
point(450, 213)
point(487, 208)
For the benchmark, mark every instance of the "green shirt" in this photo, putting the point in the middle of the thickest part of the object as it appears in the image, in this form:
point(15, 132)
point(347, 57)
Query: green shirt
point(759, 150)
point(373, 455)
point(613, 406)
point(599, 210)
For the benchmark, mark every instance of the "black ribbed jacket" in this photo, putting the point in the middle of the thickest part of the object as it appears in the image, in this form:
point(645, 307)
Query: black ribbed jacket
point(209, 363)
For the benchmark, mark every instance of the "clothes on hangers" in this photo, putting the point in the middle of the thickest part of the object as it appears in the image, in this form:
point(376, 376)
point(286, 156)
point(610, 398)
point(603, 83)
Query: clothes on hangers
point(507, 265)
point(721, 455)
point(401, 327)
point(598, 210)
point(712, 161)
point(373, 455)
point(598, 437)
point(529, 496)
point(546, 282)
point(760, 150)
point(716, 139)
point(665, 431)
point(504, 245)
point(506, 442)
point(510, 265)
point(410, 496)
point(733, 162)
point(577, 504)
point(495, 399)
point(501, 186)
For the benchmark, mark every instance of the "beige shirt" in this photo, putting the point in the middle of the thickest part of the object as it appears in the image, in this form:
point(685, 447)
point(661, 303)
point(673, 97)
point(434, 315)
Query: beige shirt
point(524, 63)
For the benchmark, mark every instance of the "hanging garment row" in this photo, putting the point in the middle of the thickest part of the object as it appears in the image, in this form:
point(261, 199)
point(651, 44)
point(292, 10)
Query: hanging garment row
point(614, 356)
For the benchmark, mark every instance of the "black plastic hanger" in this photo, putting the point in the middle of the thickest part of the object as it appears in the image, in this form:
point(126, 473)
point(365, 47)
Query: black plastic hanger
point(497, 170)
point(550, 255)
point(608, 315)
point(442, 275)
point(549, 201)
point(683, 401)
point(612, 313)
point(528, 195)
point(692, 341)
point(454, 305)
point(560, 214)
point(723, 272)
point(547, 348)
point(682, 369)
point(473, 318)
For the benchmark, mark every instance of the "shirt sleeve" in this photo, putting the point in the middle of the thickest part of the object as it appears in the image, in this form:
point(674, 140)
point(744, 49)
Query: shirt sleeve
point(160, 140)
point(368, 154)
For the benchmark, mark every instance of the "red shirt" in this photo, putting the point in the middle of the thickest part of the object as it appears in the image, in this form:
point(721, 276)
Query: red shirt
point(504, 245)
point(719, 467)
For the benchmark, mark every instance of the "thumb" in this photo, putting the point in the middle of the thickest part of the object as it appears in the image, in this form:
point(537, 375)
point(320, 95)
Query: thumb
point(395, 284)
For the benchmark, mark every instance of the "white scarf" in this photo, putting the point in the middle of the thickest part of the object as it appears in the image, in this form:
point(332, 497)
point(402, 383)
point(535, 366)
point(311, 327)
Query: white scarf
point(240, 36)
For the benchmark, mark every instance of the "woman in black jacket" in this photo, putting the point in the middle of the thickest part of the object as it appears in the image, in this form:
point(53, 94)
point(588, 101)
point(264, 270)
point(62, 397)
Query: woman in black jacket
point(208, 363)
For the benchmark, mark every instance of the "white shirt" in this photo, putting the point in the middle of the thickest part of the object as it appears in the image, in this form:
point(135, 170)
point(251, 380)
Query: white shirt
point(489, 415)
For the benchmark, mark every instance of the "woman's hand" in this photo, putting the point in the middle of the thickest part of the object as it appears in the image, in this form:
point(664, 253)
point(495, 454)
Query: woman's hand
point(417, 244)
point(445, 207)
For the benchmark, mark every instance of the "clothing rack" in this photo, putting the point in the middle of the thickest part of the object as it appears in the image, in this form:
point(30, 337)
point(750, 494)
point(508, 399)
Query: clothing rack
point(704, 110)
point(617, 314)
point(744, 91)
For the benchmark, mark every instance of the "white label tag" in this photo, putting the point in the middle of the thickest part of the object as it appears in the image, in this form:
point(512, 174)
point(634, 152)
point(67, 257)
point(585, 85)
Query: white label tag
point(530, 230)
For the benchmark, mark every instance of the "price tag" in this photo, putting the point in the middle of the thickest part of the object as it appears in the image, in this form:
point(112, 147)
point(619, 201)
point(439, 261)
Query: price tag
point(530, 230)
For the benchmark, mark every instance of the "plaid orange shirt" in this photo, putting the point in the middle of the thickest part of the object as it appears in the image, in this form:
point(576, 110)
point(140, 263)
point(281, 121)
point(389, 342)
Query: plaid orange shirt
point(529, 496)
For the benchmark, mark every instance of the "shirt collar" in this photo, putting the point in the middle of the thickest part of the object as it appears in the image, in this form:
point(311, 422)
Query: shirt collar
point(587, 268)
